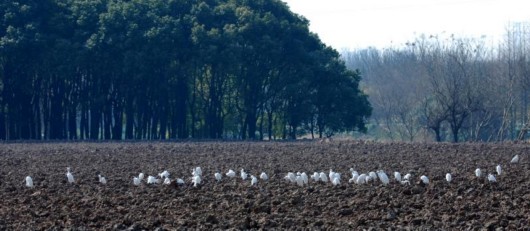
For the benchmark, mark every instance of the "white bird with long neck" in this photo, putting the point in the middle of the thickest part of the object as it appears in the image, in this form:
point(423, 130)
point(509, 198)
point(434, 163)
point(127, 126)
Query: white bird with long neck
point(102, 179)
point(152, 180)
point(354, 176)
point(373, 175)
point(164, 174)
point(448, 177)
point(478, 173)
point(315, 176)
point(499, 169)
point(217, 176)
point(69, 176)
point(180, 181)
point(424, 179)
point(197, 171)
point(231, 173)
point(305, 178)
point(361, 179)
point(336, 181)
point(397, 175)
point(243, 174)
point(515, 159)
point(263, 176)
point(136, 181)
point(323, 177)
point(291, 177)
point(253, 180)
point(29, 182)
point(196, 180)
point(491, 178)
point(383, 177)
point(331, 175)
point(407, 177)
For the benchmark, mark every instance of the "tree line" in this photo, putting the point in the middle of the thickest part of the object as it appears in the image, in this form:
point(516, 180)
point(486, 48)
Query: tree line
point(449, 88)
point(169, 69)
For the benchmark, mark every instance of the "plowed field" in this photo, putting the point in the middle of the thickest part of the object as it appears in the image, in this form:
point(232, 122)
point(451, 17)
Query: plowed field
point(467, 202)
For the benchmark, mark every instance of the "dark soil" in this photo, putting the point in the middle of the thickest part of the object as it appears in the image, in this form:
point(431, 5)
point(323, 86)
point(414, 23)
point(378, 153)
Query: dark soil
point(466, 203)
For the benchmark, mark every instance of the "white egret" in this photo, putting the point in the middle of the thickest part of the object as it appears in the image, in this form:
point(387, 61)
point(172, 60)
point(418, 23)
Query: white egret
point(136, 181)
point(69, 176)
point(383, 177)
point(253, 181)
point(373, 175)
point(217, 176)
point(478, 173)
point(315, 176)
point(424, 179)
point(167, 181)
point(102, 179)
point(180, 181)
point(305, 179)
point(515, 159)
point(196, 180)
point(231, 173)
point(323, 177)
point(397, 175)
point(141, 176)
point(29, 182)
point(290, 177)
point(499, 169)
point(152, 180)
point(299, 181)
point(336, 181)
point(491, 178)
point(198, 171)
point(164, 174)
point(243, 174)
point(448, 177)
point(361, 179)
point(264, 176)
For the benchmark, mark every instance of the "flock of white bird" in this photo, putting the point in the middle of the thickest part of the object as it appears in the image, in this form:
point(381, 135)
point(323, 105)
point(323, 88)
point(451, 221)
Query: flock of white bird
point(299, 178)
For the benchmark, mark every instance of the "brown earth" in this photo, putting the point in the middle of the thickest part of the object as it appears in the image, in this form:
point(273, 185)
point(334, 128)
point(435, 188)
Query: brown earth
point(466, 203)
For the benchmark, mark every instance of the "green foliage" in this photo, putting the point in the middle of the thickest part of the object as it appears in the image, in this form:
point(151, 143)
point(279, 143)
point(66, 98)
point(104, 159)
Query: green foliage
point(153, 69)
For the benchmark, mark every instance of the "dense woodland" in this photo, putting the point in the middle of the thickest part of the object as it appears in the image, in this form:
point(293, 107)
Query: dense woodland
point(449, 88)
point(169, 69)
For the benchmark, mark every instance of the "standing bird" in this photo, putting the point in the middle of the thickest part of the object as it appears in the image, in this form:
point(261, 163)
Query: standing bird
point(136, 181)
point(305, 178)
point(491, 178)
point(102, 179)
point(253, 181)
point(448, 177)
point(69, 176)
point(152, 180)
point(407, 177)
point(264, 176)
point(323, 177)
point(29, 182)
point(515, 159)
point(231, 173)
point(196, 180)
point(336, 181)
point(373, 175)
point(383, 177)
point(167, 181)
point(424, 179)
point(180, 181)
point(397, 175)
point(244, 175)
point(141, 176)
point(164, 174)
point(499, 169)
point(478, 173)
point(217, 176)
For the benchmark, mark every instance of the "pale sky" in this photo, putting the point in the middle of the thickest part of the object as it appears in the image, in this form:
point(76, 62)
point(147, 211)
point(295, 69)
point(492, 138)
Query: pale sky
point(382, 23)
